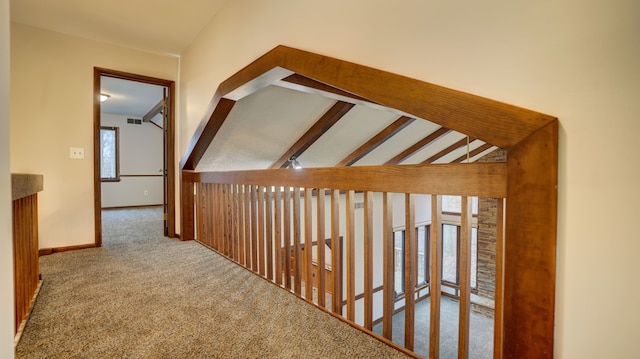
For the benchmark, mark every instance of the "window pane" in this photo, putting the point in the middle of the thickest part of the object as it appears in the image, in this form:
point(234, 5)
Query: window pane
point(422, 255)
point(450, 253)
point(452, 204)
point(108, 153)
point(398, 244)
point(474, 257)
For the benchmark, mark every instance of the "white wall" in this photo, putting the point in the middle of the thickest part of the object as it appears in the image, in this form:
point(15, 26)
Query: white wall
point(6, 236)
point(140, 154)
point(577, 60)
point(52, 110)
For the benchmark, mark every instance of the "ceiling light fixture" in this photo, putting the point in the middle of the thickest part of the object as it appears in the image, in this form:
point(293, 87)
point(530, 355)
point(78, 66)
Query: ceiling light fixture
point(293, 163)
point(104, 97)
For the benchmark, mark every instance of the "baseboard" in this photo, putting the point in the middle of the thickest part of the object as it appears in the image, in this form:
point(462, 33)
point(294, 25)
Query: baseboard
point(16, 338)
point(136, 206)
point(47, 251)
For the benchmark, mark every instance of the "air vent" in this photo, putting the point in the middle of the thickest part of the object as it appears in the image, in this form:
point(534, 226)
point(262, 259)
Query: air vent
point(134, 121)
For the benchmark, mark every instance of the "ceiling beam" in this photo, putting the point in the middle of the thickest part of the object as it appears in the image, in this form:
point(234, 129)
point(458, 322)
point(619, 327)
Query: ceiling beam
point(158, 108)
point(376, 140)
point(463, 142)
point(435, 135)
point(333, 115)
point(473, 153)
point(310, 84)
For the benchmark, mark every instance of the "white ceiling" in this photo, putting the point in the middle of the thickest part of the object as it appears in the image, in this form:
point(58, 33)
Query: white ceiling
point(160, 26)
point(129, 98)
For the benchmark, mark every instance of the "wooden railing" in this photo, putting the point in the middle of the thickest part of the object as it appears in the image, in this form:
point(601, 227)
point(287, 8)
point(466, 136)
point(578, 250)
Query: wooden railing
point(253, 217)
point(25, 245)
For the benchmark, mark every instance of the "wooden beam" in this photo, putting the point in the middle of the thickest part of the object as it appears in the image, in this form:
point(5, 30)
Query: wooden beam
point(305, 82)
point(380, 138)
point(434, 136)
point(158, 108)
point(330, 118)
point(462, 143)
point(530, 246)
point(473, 153)
point(474, 179)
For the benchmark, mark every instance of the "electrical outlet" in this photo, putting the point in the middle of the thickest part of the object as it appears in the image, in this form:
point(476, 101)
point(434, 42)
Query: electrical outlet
point(76, 153)
point(146, 193)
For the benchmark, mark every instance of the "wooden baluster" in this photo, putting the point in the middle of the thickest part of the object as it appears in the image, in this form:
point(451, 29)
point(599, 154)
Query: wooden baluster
point(368, 260)
point(465, 278)
point(336, 253)
point(498, 313)
point(278, 235)
point(287, 238)
point(227, 220)
point(321, 244)
point(296, 242)
point(351, 256)
point(436, 275)
point(308, 244)
point(269, 238)
point(254, 229)
point(410, 273)
point(261, 225)
point(388, 301)
point(241, 258)
point(247, 226)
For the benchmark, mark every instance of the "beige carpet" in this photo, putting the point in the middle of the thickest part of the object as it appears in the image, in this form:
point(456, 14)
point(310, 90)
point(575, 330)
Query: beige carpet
point(145, 296)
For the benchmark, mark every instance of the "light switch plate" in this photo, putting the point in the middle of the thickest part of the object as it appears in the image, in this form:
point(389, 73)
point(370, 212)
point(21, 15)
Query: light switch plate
point(76, 153)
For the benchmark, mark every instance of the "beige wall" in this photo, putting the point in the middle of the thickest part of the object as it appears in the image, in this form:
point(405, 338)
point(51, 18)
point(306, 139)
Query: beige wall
point(572, 59)
point(52, 110)
point(6, 249)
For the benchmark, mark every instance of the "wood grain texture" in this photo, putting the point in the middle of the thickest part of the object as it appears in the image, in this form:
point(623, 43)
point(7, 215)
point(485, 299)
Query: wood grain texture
point(410, 273)
point(432, 137)
point(498, 332)
point(473, 179)
point(336, 253)
point(308, 245)
point(287, 238)
point(462, 143)
point(388, 253)
point(326, 121)
point(277, 219)
point(297, 275)
point(269, 231)
point(351, 254)
point(464, 318)
point(472, 153)
point(320, 228)
point(373, 143)
point(435, 281)
point(368, 260)
point(530, 246)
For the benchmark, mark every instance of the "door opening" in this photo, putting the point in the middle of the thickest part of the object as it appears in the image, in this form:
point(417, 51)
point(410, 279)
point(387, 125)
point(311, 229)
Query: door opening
point(153, 177)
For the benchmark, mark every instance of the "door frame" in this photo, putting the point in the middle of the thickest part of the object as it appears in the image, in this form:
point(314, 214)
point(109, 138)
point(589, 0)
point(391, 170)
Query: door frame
point(169, 134)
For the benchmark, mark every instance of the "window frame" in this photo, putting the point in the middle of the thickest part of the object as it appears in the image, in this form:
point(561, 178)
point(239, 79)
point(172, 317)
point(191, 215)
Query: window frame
point(116, 131)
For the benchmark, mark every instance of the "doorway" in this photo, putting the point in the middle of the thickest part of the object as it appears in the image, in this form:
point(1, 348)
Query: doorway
point(159, 179)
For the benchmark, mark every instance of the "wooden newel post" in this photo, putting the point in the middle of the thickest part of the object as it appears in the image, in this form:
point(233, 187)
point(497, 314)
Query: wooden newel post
point(187, 210)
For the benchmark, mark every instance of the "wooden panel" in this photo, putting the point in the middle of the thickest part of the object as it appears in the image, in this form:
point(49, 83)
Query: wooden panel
point(187, 226)
point(308, 244)
point(297, 275)
point(410, 270)
point(530, 246)
point(388, 255)
point(269, 229)
point(351, 255)
point(261, 225)
point(435, 281)
point(320, 224)
point(368, 260)
point(471, 179)
point(287, 238)
point(498, 322)
point(465, 278)
point(336, 253)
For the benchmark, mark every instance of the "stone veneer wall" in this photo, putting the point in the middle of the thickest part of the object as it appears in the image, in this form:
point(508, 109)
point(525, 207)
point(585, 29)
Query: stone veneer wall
point(487, 207)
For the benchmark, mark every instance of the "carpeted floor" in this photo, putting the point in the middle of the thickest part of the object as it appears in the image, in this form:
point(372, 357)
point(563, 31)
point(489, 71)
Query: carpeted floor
point(145, 296)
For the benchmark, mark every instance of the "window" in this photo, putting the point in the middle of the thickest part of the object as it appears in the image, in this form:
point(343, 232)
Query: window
point(423, 255)
point(453, 204)
point(109, 167)
point(398, 262)
point(450, 263)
